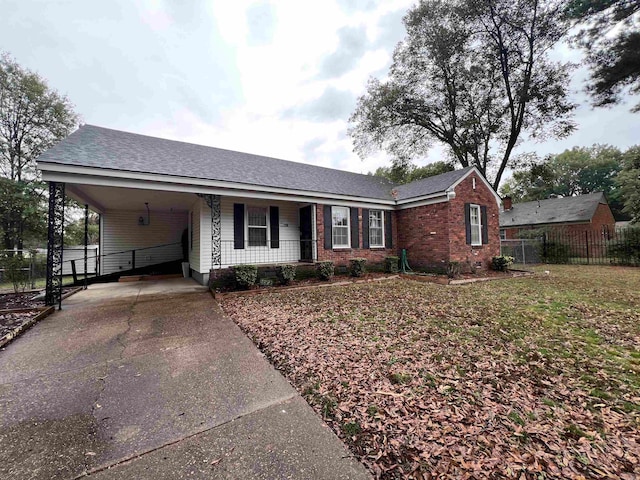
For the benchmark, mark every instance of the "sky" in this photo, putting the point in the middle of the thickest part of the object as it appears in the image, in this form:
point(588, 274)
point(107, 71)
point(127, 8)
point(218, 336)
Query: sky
point(274, 78)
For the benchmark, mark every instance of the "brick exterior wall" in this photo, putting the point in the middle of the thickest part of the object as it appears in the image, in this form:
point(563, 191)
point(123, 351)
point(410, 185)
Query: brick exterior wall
point(424, 233)
point(341, 256)
point(482, 195)
point(436, 234)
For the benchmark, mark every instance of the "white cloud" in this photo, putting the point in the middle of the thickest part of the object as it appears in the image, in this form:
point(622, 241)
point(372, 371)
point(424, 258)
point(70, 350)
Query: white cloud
point(272, 78)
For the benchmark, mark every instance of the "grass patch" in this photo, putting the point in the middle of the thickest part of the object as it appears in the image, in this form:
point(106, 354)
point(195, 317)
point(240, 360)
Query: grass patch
point(491, 370)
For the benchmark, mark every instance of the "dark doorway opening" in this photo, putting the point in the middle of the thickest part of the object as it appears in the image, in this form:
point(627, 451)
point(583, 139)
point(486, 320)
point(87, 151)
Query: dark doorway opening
point(306, 234)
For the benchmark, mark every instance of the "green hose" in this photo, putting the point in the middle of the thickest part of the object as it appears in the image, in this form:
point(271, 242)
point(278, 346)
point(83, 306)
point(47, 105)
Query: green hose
point(404, 264)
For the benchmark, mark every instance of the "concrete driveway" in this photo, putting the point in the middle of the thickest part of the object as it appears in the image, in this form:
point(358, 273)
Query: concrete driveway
point(150, 380)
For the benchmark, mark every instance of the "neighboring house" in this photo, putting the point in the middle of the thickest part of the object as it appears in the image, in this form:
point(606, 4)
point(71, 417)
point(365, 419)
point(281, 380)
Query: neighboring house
point(224, 208)
point(570, 215)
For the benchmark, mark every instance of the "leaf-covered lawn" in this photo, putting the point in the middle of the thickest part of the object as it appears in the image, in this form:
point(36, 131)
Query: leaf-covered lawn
point(536, 377)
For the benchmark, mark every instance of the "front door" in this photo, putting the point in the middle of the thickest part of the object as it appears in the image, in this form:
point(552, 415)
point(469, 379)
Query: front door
point(306, 234)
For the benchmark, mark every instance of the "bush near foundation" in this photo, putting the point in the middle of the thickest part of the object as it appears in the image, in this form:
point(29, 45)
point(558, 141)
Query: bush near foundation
point(357, 266)
point(325, 270)
point(245, 275)
point(391, 264)
point(501, 263)
point(286, 273)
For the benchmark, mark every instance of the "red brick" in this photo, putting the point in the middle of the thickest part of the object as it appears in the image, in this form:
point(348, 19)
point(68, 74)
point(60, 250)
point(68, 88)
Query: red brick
point(341, 256)
point(435, 234)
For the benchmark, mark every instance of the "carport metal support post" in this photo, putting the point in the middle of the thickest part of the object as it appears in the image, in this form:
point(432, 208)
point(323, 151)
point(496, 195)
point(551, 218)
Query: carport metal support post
point(213, 201)
point(86, 241)
point(55, 241)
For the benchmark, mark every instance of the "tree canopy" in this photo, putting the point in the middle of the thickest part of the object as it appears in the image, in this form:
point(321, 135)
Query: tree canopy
point(610, 37)
point(474, 75)
point(33, 118)
point(407, 173)
point(22, 212)
point(629, 181)
point(578, 171)
point(74, 231)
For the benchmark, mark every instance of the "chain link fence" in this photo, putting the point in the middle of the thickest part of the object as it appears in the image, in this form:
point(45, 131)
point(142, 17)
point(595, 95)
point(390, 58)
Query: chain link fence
point(524, 251)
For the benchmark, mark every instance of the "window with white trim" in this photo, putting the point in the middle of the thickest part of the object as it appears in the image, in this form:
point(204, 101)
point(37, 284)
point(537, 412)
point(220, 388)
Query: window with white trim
point(476, 224)
point(376, 228)
point(257, 226)
point(503, 234)
point(340, 227)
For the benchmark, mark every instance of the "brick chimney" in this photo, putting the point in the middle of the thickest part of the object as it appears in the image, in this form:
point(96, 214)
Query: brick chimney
point(506, 203)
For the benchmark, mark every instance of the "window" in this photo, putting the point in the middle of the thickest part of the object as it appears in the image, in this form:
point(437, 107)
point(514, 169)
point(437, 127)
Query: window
point(257, 222)
point(503, 234)
point(376, 228)
point(476, 225)
point(340, 227)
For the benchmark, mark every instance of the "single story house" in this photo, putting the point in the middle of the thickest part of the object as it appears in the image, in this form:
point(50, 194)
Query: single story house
point(166, 199)
point(570, 215)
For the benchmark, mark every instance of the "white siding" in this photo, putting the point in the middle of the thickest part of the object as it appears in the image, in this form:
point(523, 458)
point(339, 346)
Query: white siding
point(121, 232)
point(289, 250)
point(77, 254)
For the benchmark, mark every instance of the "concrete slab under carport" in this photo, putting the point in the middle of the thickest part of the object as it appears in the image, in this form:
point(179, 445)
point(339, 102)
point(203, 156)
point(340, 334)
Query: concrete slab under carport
point(131, 377)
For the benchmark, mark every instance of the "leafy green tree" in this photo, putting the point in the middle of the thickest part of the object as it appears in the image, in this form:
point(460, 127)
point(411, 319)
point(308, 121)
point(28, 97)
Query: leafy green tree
point(22, 210)
point(474, 75)
point(410, 173)
point(74, 231)
point(532, 181)
point(610, 37)
point(577, 171)
point(629, 181)
point(33, 118)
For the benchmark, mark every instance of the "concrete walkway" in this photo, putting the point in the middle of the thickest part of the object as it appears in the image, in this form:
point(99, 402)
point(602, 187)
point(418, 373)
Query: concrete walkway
point(150, 380)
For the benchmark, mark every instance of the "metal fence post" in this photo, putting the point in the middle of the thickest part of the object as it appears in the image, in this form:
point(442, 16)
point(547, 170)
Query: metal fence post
point(86, 240)
point(586, 239)
point(74, 272)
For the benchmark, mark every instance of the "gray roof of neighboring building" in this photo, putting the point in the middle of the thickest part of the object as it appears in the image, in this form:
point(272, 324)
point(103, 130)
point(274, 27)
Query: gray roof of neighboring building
point(552, 210)
point(98, 147)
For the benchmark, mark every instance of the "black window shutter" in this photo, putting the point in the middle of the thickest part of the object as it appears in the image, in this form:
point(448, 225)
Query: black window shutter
point(327, 228)
point(355, 238)
point(467, 221)
point(238, 226)
point(365, 228)
point(274, 217)
point(485, 230)
point(388, 230)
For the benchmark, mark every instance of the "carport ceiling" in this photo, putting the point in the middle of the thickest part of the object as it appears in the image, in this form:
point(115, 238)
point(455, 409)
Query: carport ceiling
point(101, 198)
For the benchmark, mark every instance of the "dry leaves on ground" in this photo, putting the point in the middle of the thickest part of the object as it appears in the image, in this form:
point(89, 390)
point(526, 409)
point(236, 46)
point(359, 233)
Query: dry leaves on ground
point(530, 378)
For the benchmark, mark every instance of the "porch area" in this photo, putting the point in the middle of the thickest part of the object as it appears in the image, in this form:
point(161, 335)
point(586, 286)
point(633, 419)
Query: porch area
point(144, 229)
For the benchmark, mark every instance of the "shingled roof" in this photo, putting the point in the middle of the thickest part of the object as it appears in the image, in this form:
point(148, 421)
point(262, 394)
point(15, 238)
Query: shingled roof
point(103, 148)
point(431, 185)
point(552, 211)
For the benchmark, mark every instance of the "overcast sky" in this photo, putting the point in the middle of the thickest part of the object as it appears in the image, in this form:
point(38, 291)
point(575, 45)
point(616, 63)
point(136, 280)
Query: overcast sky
point(274, 78)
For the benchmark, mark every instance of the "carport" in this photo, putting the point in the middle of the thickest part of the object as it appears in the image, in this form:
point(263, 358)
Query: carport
point(143, 224)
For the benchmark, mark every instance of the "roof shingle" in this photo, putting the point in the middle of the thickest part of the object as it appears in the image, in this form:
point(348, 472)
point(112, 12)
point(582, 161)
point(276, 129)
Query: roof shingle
point(98, 147)
point(552, 210)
